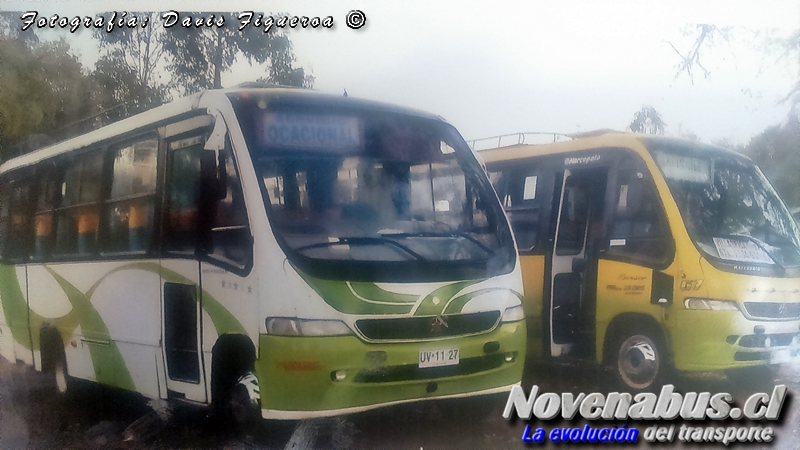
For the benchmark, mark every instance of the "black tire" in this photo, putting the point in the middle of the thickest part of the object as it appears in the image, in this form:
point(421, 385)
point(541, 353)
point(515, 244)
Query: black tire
point(232, 380)
point(639, 361)
point(54, 364)
point(244, 409)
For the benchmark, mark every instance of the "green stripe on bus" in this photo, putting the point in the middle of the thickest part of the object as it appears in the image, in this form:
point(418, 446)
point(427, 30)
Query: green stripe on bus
point(434, 303)
point(223, 320)
point(15, 308)
point(109, 366)
point(375, 300)
point(456, 304)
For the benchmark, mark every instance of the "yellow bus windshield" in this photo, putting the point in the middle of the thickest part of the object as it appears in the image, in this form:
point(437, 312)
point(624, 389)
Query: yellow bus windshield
point(730, 210)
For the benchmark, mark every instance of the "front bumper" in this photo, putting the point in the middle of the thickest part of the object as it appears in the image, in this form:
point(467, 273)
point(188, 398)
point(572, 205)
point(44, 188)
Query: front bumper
point(302, 377)
point(716, 340)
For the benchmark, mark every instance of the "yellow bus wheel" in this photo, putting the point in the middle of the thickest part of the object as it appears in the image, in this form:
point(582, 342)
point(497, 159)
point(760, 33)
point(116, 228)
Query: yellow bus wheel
point(639, 362)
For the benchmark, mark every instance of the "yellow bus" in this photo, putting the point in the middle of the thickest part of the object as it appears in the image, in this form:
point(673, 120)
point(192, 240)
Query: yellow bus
point(649, 254)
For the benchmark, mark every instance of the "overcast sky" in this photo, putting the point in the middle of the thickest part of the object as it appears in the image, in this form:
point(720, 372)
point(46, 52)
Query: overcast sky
point(503, 67)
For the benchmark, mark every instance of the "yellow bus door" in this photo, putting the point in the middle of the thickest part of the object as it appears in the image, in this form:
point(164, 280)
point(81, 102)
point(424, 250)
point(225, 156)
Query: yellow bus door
point(580, 211)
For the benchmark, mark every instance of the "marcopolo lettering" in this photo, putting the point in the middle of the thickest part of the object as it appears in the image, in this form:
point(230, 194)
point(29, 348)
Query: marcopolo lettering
point(581, 160)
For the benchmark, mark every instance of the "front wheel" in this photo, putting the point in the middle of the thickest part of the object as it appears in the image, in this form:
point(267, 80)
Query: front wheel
point(640, 363)
point(244, 399)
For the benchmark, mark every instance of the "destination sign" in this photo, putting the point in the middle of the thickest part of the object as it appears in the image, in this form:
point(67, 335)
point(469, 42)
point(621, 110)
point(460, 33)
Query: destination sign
point(311, 132)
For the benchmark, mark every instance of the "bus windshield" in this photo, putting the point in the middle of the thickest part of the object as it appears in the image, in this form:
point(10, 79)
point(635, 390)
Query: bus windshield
point(381, 189)
point(731, 211)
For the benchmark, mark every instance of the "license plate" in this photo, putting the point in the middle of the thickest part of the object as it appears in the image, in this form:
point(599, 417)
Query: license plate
point(438, 357)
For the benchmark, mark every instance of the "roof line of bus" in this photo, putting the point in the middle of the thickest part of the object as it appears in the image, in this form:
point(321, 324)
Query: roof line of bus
point(127, 125)
point(175, 109)
point(589, 141)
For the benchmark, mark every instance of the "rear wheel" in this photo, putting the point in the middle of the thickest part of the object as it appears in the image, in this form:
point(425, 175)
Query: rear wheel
point(639, 361)
point(54, 362)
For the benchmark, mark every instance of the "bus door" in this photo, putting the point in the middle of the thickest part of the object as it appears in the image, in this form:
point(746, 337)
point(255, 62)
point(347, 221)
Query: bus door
point(578, 225)
point(180, 266)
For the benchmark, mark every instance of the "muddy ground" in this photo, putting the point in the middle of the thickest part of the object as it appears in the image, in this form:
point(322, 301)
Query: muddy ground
point(93, 416)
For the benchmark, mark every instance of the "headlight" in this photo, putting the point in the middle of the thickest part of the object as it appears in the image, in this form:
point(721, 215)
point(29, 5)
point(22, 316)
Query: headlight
point(709, 304)
point(281, 326)
point(513, 314)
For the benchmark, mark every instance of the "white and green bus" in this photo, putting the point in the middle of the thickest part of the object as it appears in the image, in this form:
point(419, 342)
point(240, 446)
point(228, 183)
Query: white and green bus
point(343, 254)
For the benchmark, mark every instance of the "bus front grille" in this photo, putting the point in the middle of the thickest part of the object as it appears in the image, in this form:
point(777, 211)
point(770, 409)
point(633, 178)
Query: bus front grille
point(773, 310)
point(769, 340)
point(427, 327)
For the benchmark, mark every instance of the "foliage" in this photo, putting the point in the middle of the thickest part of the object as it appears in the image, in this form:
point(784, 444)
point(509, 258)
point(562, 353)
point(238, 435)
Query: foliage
point(127, 75)
point(120, 92)
point(283, 72)
point(44, 91)
point(774, 49)
point(777, 152)
point(647, 121)
point(706, 35)
point(199, 56)
point(46, 94)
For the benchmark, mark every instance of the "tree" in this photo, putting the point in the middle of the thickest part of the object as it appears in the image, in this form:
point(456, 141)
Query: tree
point(128, 73)
point(120, 93)
point(283, 72)
point(197, 57)
point(777, 152)
point(706, 36)
point(647, 121)
point(45, 90)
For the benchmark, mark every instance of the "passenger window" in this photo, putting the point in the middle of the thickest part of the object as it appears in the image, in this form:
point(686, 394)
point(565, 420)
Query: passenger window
point(230, 233)
point(132, 201)
point(46, 197)
point(518, 190)
point(638, 228)
point(230, 240)
point(78, 217)
point(574, 218)
point(14, 216)
point(183, 187)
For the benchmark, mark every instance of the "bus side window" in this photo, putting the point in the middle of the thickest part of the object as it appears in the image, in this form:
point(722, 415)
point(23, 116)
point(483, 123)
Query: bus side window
point(78, 219)
point(230, 232)
point(132, 201)
point(183, 192)
point(15, 231)
point(46, 198)
point(518, 192)
point(638, 229)
point(574, 220)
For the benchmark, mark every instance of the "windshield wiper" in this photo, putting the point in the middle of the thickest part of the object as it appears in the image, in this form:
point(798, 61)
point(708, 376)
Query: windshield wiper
point(763, 246)
point(361, 241)
point(460, 234)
